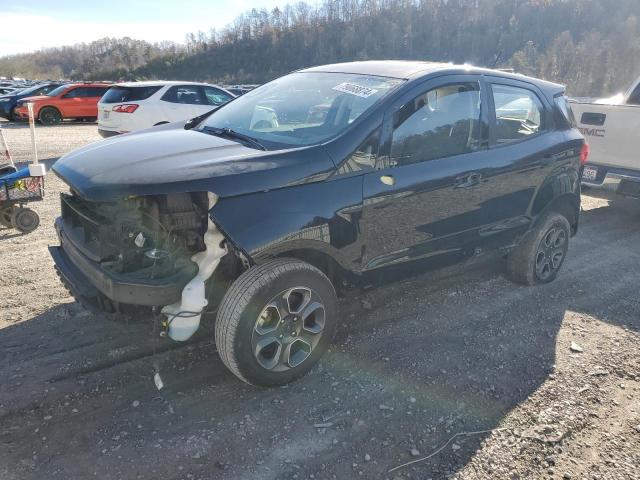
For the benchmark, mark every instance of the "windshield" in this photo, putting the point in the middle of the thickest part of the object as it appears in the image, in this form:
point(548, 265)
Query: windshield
point(302, 108)
point(57, 91)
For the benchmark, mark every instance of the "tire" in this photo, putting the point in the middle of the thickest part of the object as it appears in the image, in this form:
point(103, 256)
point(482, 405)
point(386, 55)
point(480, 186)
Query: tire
point(49, 116)
point(541, 253)
point(253, 344)
point(25, 220)
point(12, 115)
point(5, 216)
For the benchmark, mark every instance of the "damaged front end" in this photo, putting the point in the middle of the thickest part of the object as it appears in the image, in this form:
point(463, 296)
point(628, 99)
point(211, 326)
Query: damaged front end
point(151, 251)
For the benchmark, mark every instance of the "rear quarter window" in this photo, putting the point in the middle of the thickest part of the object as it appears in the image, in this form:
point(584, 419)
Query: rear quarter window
point(519, 113)
point(128, 94)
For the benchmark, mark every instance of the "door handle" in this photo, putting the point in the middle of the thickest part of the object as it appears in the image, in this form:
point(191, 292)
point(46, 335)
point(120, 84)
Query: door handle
point(469, 180)
point(388, 180)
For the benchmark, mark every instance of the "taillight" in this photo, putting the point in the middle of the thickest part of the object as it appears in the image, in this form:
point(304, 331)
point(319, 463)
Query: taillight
point(584, 153)
point(127, 108)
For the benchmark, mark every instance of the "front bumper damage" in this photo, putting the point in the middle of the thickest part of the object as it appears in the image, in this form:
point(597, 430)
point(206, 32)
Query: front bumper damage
point(85, 278)
point(99, 258)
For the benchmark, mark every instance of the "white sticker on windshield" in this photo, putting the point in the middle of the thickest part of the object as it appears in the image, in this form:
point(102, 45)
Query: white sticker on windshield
point(353, 89)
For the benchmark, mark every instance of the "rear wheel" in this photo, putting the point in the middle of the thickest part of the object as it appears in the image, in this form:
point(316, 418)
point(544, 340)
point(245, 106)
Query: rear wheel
point(276, 321)
point(540, 255)
point(25, 220)
point(50, 116)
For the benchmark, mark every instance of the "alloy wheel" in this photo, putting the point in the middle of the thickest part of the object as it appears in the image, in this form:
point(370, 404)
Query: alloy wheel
point(551, 253)
point(288, 329)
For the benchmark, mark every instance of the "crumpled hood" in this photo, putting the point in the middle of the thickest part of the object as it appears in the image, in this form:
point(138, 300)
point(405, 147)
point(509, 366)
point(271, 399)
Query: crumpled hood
point(170, 159)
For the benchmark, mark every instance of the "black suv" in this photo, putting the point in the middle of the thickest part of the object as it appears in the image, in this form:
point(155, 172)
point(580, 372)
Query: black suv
point(330, 177)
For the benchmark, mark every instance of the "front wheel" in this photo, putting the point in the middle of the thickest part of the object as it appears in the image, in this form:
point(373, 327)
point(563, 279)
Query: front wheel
point(276, 321)
point(50, 116)
point(540, 255)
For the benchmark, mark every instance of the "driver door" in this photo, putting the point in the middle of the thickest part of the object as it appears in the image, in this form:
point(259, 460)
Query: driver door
point(72, 102)
point(426, 199)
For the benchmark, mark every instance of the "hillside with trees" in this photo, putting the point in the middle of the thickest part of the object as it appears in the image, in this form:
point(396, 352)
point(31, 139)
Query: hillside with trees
point(593, 46)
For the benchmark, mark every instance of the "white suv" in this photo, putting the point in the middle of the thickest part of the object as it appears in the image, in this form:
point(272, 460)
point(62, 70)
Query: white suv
point(127, 107)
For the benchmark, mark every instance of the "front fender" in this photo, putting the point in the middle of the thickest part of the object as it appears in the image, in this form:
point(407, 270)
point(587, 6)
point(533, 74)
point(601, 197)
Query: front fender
point(323, 217)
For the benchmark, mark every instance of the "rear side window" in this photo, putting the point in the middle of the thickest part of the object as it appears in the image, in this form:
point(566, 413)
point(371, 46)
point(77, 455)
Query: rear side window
point(439, 123)
point(563, 105)
point(76, 93)
point(95, 91)
point(129, 94)
point(519, 113)
point(186, 94)
point(215, 96)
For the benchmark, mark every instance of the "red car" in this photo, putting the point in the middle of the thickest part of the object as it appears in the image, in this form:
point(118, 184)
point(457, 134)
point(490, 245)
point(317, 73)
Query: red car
point(73, 100)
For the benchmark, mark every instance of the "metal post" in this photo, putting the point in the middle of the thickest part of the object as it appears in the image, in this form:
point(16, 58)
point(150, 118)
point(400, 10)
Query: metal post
point(35, 169)
point(5, 148)
point(32, 127)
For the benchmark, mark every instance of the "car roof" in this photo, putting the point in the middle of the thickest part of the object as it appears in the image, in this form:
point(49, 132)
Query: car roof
point(86, 84)
point(156, 83)
point(384, 68)
point(411, 70)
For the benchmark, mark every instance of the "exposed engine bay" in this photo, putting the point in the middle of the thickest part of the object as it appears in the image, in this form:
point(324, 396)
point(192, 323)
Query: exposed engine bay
point(158, 251)
point(149, 236)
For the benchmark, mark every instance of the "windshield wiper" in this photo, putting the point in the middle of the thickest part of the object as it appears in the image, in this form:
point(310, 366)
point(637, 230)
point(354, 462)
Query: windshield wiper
point(229, 133)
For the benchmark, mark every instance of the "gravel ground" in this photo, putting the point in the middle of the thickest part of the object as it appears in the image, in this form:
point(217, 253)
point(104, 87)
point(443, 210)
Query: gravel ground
point(549, 376)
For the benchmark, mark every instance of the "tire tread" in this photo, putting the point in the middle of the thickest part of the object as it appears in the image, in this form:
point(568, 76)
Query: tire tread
point(237, 298)
point(519, 261)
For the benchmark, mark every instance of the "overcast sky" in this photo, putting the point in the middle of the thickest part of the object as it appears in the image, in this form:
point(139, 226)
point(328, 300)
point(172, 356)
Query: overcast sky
point(29, 25)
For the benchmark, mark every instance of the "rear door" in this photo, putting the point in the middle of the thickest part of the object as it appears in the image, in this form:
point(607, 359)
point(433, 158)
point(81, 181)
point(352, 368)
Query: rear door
point(90, 103)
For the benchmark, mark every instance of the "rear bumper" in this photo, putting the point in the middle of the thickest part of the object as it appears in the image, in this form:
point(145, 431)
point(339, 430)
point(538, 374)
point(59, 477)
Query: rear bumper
point(86, 278)
point(615, 180)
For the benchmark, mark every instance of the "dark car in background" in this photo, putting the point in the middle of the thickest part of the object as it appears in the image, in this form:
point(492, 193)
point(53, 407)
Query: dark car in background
point(268, 208)
point(8, 102)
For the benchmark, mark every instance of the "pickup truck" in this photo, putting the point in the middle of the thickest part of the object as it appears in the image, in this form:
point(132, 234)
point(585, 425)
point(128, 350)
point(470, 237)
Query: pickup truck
point(611, 127)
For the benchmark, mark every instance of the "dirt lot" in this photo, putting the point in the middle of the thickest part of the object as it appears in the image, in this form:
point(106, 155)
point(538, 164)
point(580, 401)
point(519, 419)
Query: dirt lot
point(413, 365)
